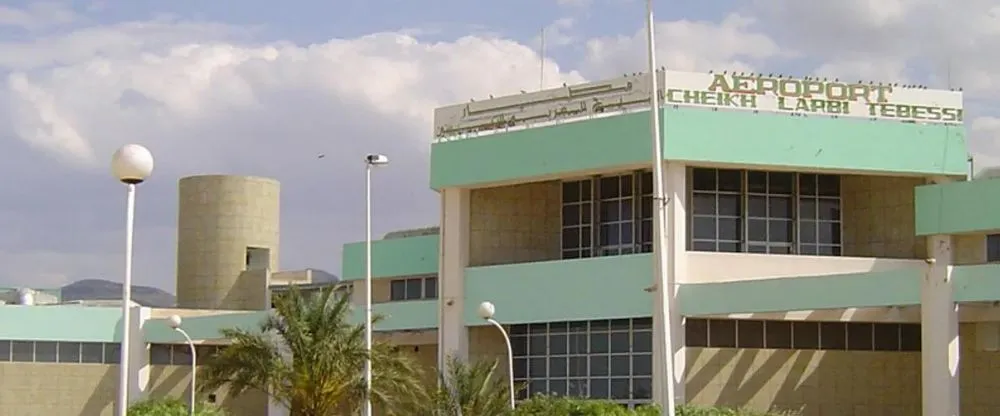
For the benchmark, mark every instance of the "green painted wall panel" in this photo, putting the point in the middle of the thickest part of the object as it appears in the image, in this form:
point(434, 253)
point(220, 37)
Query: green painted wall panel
point(60, 323)
point(978, 283)
point(397, 316)
point(202, 327)
point(594, 288)
point(600, 143)
point(745, 138)
point(701, 135)
point(406, 256)
point(873, 289)
point(403, 316)
point(958, 207)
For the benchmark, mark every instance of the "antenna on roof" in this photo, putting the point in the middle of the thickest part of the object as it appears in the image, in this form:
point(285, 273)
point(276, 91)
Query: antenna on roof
point(541, 70)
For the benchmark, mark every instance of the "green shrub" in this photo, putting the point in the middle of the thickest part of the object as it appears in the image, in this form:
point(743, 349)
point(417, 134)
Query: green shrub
point(171, 407)
point(563, 406)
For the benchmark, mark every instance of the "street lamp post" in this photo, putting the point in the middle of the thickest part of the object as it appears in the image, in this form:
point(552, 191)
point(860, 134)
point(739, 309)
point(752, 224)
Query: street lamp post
point(131, 164)
point(372, 160)
point(486, 311)
point(175, 323)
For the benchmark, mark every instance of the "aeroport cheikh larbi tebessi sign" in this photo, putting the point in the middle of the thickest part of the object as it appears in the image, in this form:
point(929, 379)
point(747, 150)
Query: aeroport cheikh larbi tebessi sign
point(719, 91)
point(813, 96)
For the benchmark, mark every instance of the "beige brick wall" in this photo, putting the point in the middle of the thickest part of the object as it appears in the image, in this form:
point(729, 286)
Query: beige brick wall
point(175, 381)
point(37, 389)
point(44, 389)
point(817, 382)
point(515, 224)
point(878, 217)
point(969, 249)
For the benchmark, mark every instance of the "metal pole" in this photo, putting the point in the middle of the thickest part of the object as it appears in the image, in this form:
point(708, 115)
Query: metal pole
point(123, 382)
point(194, 369)
point(663, 384)
point(510, 359)
point(368, 290)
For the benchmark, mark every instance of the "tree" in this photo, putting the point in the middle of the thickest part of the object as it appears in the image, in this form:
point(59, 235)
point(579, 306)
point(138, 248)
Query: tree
point(171, 407)
point(475, 389)
point(308, 356)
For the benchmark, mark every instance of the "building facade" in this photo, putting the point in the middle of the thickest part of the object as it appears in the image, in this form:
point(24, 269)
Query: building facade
point(825, 249)
point(62, 358)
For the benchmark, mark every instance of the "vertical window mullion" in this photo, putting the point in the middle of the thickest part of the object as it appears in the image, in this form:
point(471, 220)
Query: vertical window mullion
point(744, 211)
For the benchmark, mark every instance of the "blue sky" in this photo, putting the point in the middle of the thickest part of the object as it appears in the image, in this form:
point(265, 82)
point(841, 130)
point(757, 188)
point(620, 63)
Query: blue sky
point(255, 87)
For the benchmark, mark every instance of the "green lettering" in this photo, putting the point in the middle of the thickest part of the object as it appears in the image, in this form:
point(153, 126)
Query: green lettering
point(719, 83)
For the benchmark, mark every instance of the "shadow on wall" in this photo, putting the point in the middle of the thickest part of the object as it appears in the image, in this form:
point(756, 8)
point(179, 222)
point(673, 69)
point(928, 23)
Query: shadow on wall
point(175, 381)
point(102, 397)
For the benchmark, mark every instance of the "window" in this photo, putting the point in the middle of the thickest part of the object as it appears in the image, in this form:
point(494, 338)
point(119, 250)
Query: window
point(607, 215)
point(180, 354)
point(92, 353)
point(414, 288)
point(606, 359)
point(993, 248)
point(258, 258)
point(716, 210)
point(801, 335)
point(69, 352)
point(46, 352)
point(577, 219)
point(57, 352)
point(764, 212)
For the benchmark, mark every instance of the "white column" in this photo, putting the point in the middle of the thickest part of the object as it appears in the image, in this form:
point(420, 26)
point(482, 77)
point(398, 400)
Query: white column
point(676, 184)
point(453, 335)
point(138, 381)
point(939, 333)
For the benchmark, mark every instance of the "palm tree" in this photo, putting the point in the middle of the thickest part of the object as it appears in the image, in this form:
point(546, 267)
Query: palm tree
point(470, 390)
point(308, 356)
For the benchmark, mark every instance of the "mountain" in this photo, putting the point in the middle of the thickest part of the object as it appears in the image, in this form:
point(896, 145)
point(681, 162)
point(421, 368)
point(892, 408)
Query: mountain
point(98, 289)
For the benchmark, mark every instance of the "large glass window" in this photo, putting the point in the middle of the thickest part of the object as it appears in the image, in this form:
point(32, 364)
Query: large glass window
point(607, 215)
point(605, 359)
point(764, 212)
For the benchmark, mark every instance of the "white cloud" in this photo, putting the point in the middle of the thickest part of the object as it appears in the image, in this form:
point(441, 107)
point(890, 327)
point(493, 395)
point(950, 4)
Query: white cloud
point(37, 16)
point(686, 45)
point(231, 106)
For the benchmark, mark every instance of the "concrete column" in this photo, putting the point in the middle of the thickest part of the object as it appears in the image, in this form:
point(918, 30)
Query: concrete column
point(676, 184)
point(939, 334)
point(453, 335)
point(675, 247)
point(138, 381)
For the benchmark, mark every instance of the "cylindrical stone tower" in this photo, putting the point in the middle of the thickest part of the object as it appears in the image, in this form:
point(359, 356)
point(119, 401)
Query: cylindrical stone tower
point(227, 241)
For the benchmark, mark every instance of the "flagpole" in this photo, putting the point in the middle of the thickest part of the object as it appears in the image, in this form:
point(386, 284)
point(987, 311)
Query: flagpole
point(663, 375)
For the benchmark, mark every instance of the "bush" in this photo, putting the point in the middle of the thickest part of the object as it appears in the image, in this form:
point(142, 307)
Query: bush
point(563, 406)
point(171, 407)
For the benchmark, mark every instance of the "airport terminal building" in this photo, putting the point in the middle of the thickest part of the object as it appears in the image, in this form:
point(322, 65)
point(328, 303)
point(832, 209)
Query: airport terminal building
point(827, 251)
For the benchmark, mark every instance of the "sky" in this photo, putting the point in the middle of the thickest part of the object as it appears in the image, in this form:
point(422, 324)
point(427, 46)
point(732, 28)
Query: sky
point(255, 87)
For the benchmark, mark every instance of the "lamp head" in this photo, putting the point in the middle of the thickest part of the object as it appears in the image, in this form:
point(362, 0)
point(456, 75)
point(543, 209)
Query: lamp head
point(487, 310)
point(174, 321)
point(376, 160)
point(132, 164)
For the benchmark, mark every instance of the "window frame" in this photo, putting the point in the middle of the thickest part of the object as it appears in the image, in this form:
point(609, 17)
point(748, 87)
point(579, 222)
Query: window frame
point(424, 292)
point(591, 230)
point(745, 194)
